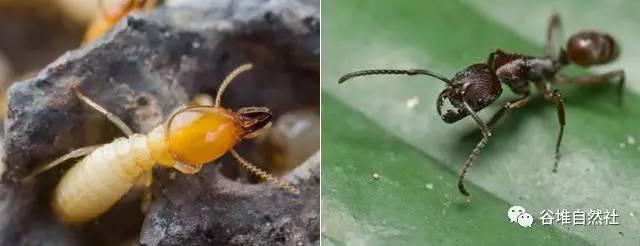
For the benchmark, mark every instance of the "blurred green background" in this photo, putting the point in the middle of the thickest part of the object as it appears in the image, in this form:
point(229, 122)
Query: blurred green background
point(368, 129)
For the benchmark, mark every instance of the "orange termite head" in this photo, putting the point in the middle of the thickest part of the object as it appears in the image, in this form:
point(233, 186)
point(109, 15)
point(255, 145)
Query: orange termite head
point(201, 134)
point(197, 135)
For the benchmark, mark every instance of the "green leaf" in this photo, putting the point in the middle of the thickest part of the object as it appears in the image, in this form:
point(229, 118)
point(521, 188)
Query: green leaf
point(368, 128)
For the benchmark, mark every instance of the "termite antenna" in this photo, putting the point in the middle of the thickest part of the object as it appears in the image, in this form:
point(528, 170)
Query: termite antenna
point(229, 78)
point(393, 71)
point(264, 175)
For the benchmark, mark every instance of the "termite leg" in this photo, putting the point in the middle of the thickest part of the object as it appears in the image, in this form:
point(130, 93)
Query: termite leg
point(202, 99)
point(103, 9)
point(112, 117)
point(597, 79)
point(147, 195)
point(147, 4)
point(486, 133)
point(129, 6)
point(264, 175)
point(513, 104)
point(187, 168)
point(71, 155)
point(556, 98)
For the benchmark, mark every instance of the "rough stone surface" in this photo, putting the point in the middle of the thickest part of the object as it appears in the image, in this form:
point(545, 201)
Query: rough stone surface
point(213, 210)
point(141, 71)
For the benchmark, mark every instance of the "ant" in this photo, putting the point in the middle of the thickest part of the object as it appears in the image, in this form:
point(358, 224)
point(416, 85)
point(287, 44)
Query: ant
point(191, 136)
point(478, 85)
point(106, 21)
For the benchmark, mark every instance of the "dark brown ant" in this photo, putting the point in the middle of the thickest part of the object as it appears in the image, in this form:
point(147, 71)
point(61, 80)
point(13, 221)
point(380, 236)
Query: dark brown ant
point(478, 85)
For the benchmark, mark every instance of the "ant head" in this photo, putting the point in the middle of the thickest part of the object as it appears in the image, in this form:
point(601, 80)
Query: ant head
point(254, 121)
point(476, 85)
point(592, 48)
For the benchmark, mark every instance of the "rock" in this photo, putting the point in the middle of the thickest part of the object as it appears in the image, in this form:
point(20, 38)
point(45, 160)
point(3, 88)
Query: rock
point(293, 138)
point(141, 71)
point(213, 210)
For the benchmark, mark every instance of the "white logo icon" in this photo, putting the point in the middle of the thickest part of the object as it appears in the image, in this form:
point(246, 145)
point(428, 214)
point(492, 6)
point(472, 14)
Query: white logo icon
point(519, 215)
point(514, 212)
point(525, 219)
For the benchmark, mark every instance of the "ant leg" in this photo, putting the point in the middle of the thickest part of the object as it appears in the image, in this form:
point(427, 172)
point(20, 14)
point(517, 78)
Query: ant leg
point(486, 133)
point(468, 163)
point(71, 155)
point(554, 30)
point(112, 117)
point(597, 79)
point(516, 103)
point(556, 98)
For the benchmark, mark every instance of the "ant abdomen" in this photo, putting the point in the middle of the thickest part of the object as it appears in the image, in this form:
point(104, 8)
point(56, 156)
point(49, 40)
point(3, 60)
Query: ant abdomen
point(476, 85)
point(591, 48)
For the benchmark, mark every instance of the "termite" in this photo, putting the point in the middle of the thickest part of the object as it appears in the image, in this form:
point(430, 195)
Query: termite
point(106, 21)
point(191, 137)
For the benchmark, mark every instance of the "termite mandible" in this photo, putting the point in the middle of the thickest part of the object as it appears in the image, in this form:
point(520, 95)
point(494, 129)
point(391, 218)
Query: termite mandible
point(191, 137)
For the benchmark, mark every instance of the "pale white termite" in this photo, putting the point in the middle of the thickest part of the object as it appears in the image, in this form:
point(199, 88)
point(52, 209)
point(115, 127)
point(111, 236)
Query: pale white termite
point(191, 137)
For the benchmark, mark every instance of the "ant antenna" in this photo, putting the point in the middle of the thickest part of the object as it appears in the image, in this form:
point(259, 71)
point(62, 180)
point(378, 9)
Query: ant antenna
point(229, 78)
point(264, 175)
point(392, 71)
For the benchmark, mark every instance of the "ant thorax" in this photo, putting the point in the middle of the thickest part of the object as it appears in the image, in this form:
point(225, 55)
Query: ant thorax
point(540, 69)
point(516, 71)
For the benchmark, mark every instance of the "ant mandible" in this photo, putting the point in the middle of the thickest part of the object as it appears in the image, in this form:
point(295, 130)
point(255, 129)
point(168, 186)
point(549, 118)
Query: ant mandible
point(478, 85)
